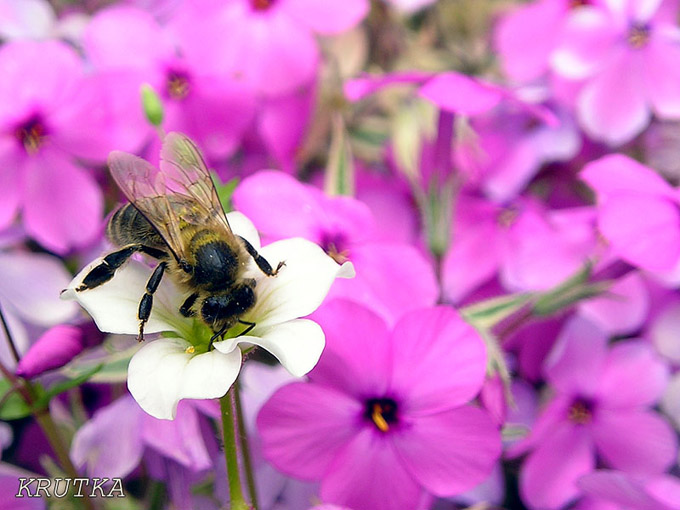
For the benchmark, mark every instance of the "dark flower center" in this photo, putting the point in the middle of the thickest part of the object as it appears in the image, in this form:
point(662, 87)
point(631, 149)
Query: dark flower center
point(580, 412)
point(573, 4)
point(177, 85)
point(335, 245)
point(638, 36)
point(262, 5)
point(31, 134)
point(507, 216)
point(382, 412)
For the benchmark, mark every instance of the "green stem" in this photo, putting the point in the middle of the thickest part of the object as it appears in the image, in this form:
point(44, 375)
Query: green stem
point(245, 448)
point(229, 431)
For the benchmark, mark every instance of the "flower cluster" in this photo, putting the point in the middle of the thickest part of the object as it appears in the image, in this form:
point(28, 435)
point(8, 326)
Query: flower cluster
point(453, 266)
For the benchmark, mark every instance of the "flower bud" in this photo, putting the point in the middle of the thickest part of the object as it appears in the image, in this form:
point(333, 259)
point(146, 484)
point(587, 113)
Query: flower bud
point(56, 347)
point(153, 107)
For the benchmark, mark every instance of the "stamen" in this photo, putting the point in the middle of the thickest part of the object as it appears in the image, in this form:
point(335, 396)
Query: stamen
point(261, 5)
point(31, 134)
point(638, 36)
point(580, 413)
point(507, 217)
point(177, 85)
point(378, 418)
point(190, 350)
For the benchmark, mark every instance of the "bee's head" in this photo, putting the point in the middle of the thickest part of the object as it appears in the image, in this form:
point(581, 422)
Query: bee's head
point(229, 305)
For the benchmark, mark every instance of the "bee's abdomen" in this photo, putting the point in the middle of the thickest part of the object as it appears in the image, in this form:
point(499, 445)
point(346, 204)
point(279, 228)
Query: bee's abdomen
point(128, 226)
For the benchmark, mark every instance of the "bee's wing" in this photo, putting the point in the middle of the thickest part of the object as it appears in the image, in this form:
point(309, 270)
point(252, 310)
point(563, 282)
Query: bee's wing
point(189, 181)
point(145, 187)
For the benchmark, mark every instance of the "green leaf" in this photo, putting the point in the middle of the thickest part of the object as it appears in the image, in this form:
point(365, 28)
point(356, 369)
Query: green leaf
point(14, 407)
point(339, 178)
point(225, 190)
point(488, 313)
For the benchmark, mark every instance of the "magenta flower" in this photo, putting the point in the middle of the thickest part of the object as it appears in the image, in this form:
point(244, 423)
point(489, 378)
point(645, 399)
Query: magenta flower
point(52, 350)
point(384, 420)
point(270, 44)
point(600, 413)
point(637, 213)
point(526, 245)
point(50, 115)
point(344, 228)
point(199, 97)
point(626, 53)
point(628, 492)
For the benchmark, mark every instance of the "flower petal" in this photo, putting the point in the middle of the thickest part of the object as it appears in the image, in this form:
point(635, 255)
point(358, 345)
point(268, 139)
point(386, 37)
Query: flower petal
point(612, 107)
point(357, 354)
point(461, 94)
point(242, 226)
point(616, 387)
point(31, 283)
point(638, 442)
point(662, 76)
point(330, 17)
point(298, 289)
point(368, 474)
point(304, 426)
point(549, 474)
point(297, 344)
point(98, 445)
point(451, 360)
point(162, 373)
point(450, 452)
point(114, 304)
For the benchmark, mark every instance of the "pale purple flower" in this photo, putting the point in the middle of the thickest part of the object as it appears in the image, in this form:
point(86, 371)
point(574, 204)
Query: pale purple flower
point(116, 439)
point(637, 213)
point(9, 483)
point(392, 277)
point(36, 19)
point(51, 114)
point(628, 492)
point(385, 420)
point(627, 55)
point(600, 413)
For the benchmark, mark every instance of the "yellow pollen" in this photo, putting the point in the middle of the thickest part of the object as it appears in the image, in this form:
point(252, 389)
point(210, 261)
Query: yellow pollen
point(31, 137)
point(190, 350)
point(580, 414)
point(638, 37)
point(378, 418)
point(339, 256)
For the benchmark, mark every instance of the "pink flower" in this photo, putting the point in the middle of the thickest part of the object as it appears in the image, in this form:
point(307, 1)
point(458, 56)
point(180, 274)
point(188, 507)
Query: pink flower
point(626, 53)
point(637, 213)
point(182, 64)
point(391, 277)
point(628, 492)
point(270, 43)
point(600, 412)
point(52, 350)
point(384, 420)
point(51, 114)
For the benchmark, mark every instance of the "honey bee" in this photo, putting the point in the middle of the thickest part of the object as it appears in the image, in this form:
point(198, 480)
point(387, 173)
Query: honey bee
point(175, 217)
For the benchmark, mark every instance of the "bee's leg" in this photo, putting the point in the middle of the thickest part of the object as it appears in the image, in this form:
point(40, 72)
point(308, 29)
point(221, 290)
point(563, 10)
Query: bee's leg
point(260, 260)
point(146, 303)
point(104, 272)
point(250, 327)
point(185, 309)
point(216, 336)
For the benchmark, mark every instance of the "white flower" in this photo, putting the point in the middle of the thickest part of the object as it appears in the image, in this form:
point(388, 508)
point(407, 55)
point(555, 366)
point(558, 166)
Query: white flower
point(167, 370)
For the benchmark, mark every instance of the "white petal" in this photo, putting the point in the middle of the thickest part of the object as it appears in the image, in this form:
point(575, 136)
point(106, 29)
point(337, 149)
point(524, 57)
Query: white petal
point(242, 226)
point(114, 304)
point(299, 287)
point(297, 344)
point(162, 373)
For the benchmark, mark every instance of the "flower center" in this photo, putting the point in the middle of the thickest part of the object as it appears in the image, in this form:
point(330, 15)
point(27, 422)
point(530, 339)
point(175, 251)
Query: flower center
point(638, 36)
point(261, 5)
point(31, 134)
point(177, 85)
point(507, 217)
point(335, 245)
point(580, 412)
point(574, 4)
point(382, 412)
